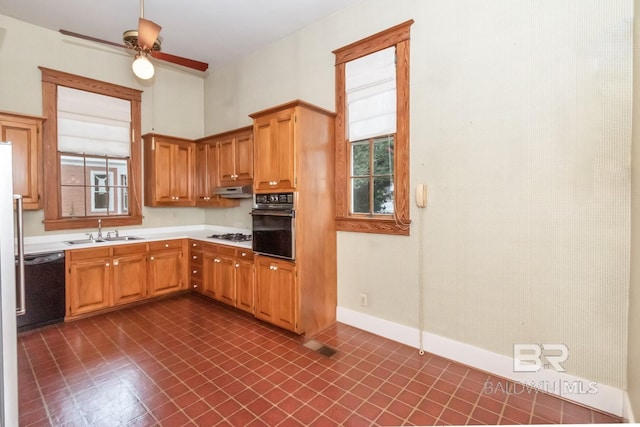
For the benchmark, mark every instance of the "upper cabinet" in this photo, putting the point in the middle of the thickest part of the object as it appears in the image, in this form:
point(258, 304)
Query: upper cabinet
point(168, 170)
point(223, 160)
point(235, 157)
point(25, 134)
point(274, 150)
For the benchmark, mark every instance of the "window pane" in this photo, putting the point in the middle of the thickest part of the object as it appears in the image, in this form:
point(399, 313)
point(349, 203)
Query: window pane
point(383, 195)
point(72, 170)
point(360, 195)
point(101, 200)
point(360, 158)
point(72, 201)
point(383, 156)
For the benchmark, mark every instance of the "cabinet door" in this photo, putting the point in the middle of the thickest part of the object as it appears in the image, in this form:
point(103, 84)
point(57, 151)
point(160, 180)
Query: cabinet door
point(264, 155)
point(205, 179)
point(163, 165)
point(245, 285)
point(226, 278)
point(88, 286)
point(165, 272)
point(25, 138)
point(243, 155)
point(226, 162)
point(274, 152)
point(210, 270)
point(182, 172)
point(276, 293)
point(129, 278)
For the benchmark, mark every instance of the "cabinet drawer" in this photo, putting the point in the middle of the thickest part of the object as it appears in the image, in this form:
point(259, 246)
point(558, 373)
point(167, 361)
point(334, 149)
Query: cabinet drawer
point(195, 257)
point(80, 254)
point(196, 272)
point(164, 245)
point(244, 254)
point(222, 250)
point(136, 248)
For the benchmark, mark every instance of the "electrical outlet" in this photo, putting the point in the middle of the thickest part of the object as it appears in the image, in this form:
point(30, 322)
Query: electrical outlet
point(363, 300)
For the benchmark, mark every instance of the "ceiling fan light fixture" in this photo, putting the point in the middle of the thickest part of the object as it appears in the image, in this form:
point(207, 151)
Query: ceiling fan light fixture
point(142, 67)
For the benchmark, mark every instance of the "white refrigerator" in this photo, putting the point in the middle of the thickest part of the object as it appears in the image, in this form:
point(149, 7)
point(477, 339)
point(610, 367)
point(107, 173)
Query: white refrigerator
point(8, 340)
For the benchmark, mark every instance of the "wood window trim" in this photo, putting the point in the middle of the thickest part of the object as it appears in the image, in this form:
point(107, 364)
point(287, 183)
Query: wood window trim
point(397, 36)
point(52, 220)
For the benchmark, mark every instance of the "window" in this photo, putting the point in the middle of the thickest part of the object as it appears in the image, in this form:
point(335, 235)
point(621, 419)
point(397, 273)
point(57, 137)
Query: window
point(92, 159)
point(372, 133)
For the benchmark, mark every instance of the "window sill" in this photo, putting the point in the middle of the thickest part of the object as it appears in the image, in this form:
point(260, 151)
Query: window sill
point(91, 222)
point(373, 225)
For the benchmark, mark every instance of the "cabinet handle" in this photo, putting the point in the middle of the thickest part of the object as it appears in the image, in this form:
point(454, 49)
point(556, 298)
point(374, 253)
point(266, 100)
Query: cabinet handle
point(195, 286)
point(194, 245)
point(273, 267)
point(194, 257)
point(216, 260)
point(115, 263)
point(107, 265)
point(166, 245)
point(244, 254)
point(152, 258)
point(237, 265)
point(194, 272)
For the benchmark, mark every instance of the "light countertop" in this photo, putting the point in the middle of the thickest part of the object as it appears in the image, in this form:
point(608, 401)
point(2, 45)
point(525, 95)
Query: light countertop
point(56, 242)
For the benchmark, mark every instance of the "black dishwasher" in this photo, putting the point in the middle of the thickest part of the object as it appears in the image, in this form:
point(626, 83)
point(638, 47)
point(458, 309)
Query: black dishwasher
point(44, 290)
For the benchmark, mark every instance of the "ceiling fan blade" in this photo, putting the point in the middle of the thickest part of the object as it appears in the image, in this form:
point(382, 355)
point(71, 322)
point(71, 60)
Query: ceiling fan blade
point(93, 39)
point(185, 62)
point(147, 33)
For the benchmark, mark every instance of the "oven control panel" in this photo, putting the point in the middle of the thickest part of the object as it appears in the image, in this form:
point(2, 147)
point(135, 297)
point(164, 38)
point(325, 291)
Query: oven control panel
point(274, 200)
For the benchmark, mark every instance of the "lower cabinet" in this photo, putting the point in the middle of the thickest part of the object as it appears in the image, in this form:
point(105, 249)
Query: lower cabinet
point(166, 271)
point(107, 276)
point(129, 273)
point(277, 292)
point(88, 280)
point(224, 273)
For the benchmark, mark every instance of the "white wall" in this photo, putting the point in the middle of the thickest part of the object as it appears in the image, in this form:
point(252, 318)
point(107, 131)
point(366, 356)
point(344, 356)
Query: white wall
point(172, 103)
point(520, 127)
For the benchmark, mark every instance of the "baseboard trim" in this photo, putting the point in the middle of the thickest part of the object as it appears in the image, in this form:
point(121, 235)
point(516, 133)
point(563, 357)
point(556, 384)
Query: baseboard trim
point(627, 410)
point(589, 393)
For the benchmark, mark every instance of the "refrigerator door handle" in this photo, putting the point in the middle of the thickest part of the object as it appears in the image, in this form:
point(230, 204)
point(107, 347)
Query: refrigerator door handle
point(20, 296)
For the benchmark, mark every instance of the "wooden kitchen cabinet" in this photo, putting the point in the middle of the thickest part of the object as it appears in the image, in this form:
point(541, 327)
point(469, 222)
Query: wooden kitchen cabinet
point(98, 278)
point(168, 170)
point(228, 275)
point(88, 280)
point(206, 175)
point(25, 134)
point(294, 151)
point(277, 292)
point(196, 266)
point(235, 157)
point(245, 281)
point(274, 151)
point(167, 272)
point(129, 264)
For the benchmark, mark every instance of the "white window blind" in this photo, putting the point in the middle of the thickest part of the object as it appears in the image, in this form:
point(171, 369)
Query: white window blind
point(90, 123)
point(371, 95)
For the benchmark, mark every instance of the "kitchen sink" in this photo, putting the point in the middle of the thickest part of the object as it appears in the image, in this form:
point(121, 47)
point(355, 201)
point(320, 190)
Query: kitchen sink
point(122, 238)
point(84, 241)
point(105, 240)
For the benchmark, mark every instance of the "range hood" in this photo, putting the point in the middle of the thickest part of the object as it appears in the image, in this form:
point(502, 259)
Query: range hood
point(239, 192)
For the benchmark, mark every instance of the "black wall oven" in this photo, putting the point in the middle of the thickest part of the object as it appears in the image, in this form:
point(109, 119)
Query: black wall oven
point(274, 228)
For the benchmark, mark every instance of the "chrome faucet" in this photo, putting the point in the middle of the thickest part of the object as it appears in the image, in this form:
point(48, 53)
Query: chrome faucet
point(99, 228)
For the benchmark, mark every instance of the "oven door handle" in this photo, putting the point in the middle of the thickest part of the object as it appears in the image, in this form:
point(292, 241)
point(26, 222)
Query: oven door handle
point(287, 213)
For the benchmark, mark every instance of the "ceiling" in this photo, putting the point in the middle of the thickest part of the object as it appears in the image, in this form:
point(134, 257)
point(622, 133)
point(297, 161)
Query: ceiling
point(214, 31)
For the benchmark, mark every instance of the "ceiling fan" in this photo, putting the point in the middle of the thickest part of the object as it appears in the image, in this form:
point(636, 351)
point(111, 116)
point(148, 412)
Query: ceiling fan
point(145, 42)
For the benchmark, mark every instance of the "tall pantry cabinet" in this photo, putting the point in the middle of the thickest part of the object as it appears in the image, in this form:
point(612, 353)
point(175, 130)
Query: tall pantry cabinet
point(294, 152)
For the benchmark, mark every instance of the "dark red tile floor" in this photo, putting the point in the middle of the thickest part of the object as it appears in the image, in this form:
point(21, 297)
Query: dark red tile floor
point(189, 361)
